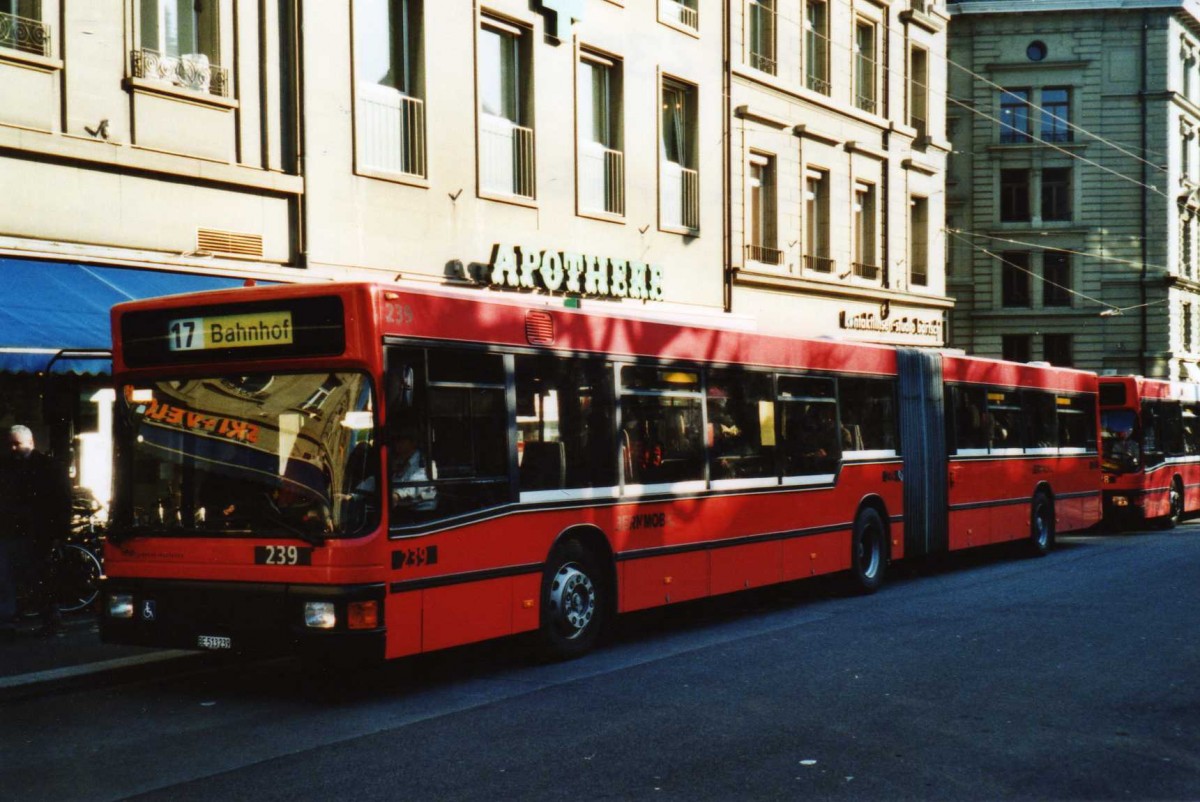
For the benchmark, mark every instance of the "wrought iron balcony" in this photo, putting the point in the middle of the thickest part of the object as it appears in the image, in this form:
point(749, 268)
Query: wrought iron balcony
point(679, 197)
point(26, 35)
point(764, 255)
point(681, 13)
point(818, 264)
point(189, 71)
point(866, 271)
point(865, 102)
point(818, 83)
point(506, 156)
point(391, 130)
point(601, 179)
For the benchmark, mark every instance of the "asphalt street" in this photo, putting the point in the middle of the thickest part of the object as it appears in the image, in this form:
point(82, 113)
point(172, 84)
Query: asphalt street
point(984, 676)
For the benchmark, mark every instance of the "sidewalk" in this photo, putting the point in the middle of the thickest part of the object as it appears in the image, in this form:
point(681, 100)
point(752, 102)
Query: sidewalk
point(34, 663)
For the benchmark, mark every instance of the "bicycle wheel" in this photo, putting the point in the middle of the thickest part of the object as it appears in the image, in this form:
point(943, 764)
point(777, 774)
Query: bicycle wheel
point(78, 578)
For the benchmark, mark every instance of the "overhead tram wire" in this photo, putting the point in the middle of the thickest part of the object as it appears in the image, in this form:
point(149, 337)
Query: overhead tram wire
point(1108, 310)
point(1089, 254)
point(971, 108)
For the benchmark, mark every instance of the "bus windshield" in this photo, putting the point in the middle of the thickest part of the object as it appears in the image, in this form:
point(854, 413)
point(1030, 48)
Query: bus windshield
point(1122, 450)
point(264, 454)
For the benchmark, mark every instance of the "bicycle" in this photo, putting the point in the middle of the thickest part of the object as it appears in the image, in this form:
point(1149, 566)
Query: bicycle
point(73, 569)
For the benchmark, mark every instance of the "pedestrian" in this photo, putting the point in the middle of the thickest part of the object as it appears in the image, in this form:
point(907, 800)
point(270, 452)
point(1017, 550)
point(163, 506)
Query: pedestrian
point(35, 509)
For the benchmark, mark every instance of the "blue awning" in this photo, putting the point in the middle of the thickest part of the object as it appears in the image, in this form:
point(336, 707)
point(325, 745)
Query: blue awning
point(54, 315)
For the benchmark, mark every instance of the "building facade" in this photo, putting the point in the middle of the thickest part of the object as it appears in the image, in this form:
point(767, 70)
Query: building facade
point(837, 160)
point(1072, 202)
point(558, 148)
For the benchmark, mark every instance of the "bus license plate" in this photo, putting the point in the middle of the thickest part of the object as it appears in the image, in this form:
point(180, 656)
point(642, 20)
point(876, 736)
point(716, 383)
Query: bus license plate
point(283, 555)
point(214, 642)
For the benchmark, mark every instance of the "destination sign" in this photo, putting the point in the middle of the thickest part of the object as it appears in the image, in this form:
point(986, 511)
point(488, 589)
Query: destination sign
point(271, 328)
point(230, 331)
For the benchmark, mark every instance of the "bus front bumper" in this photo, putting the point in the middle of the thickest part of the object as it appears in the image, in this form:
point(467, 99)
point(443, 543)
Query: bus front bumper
point(339, 621)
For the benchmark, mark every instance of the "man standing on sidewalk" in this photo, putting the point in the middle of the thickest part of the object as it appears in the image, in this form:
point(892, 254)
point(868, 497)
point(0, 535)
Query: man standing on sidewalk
point(35, 505)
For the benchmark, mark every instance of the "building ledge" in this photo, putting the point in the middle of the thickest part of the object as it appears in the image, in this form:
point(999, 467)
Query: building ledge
point(780, 282)
point(747, 112)
point(806, 131)
point(933, 21)
point(21, 143)
point(1035, 66)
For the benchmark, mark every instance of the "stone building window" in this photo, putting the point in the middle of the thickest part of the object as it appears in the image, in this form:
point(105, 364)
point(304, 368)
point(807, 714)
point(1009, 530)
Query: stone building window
point(1056, 114)
point(1016, 347)
point(1015, 124)
point(1014, 196)
point(1056, 193)
point(1058, 350)
point(390, 105)
point(1015, 279)
point(180, 44)
point(1056, 274)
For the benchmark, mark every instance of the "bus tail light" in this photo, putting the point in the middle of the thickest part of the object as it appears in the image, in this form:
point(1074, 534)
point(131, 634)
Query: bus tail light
point(319, 615)
point(362, 615)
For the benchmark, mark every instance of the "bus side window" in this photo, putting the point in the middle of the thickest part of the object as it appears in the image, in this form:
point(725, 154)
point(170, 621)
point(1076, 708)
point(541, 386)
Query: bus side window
point(810, 437)
point(468, 423)
point(1191, 429)
point(868, 410)
point(741, 425)
point(564, 422)
point(661, 425)
point(1044, 423)
point(1152, 452)
point(970, 421)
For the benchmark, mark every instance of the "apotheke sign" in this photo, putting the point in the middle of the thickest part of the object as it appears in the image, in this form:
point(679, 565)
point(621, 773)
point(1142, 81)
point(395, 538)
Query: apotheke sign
point(528, 268)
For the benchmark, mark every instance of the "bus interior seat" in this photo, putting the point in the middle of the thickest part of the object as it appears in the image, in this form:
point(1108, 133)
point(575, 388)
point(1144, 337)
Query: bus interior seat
point(543, 466)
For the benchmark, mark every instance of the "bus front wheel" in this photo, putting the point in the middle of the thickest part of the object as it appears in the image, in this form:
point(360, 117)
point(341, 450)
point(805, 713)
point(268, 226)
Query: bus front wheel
point(574, 602)
point(868, 551)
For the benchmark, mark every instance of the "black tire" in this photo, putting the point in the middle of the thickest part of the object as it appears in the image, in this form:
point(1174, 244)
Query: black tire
point(868, 551)
point(1175, 506)
point(575, 601)
point(78, 578)
point(1041, 525)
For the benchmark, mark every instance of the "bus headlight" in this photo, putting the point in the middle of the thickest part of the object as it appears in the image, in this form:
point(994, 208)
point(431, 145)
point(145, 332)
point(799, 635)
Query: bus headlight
point(1120, 501)
point(120, 605)
point(319, 615)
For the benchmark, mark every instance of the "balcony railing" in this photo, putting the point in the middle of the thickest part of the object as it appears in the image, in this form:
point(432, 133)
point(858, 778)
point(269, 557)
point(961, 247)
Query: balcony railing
point(506, 157)
point(601, 179)
point(391, 130)
point(189, 71)
point(680, 13)
point(764, 255)
point(26, 35)
point(680, 196)
point(818, 264)
point(761, 19)
point(866, 271)
point(818, 83)
point(865, 102)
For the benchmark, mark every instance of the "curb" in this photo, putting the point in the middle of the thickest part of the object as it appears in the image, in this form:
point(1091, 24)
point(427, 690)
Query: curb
point(122, 669)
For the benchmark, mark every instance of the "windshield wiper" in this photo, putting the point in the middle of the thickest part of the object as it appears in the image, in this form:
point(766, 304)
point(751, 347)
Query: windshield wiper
point(277, 517)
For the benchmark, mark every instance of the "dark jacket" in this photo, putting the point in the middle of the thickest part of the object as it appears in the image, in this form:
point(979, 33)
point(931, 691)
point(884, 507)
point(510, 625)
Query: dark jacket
point(35, 499)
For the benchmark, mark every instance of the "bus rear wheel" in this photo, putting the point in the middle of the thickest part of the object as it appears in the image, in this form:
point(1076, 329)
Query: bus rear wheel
point(1041, 525)
point(868, 551)
point(1175, 505)
point(574, 602)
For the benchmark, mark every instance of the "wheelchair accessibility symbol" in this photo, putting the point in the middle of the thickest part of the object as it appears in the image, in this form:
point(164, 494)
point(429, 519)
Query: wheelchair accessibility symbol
point(148, 610)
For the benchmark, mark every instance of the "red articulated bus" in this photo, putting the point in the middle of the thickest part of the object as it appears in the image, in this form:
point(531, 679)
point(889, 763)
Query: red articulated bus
point(1151, 449)
point(380, 471)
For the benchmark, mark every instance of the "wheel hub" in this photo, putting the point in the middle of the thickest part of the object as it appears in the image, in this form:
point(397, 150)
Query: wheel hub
point(572, 599)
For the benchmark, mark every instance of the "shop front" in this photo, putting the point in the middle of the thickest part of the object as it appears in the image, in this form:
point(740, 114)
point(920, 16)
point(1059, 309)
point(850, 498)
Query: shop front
point(55, 342)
